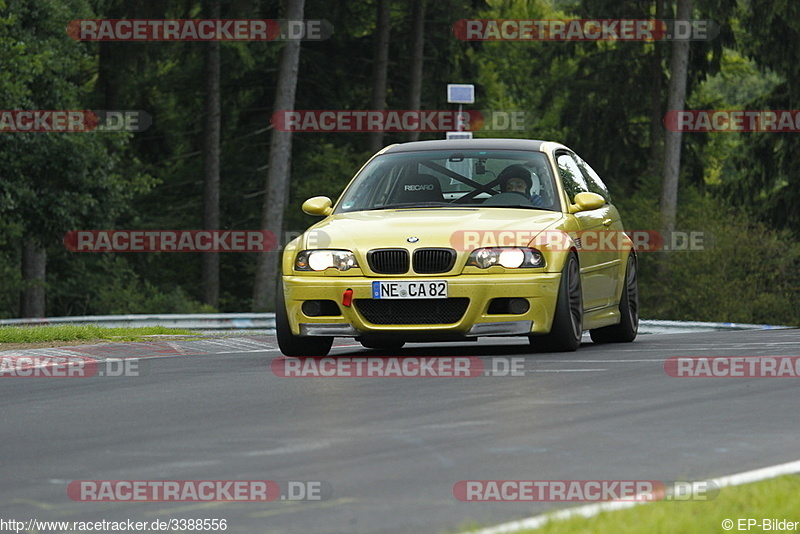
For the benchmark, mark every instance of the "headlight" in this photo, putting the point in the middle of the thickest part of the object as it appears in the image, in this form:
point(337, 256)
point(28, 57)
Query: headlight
point(508, 257)
point(319, 260)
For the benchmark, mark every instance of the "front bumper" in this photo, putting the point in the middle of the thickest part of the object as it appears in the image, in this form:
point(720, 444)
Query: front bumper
point(539, 289)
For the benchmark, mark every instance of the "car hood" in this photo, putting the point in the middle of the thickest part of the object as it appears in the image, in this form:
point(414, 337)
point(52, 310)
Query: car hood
point(431, 227)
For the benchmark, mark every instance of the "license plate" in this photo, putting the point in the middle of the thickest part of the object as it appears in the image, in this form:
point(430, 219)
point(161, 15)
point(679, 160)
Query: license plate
point(427, 289)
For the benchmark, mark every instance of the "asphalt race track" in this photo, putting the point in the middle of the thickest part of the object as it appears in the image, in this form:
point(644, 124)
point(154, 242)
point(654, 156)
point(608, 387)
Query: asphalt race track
point(389, 450)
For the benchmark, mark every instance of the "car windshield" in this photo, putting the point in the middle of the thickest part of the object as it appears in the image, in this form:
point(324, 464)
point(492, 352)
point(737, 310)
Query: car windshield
point(446, 178)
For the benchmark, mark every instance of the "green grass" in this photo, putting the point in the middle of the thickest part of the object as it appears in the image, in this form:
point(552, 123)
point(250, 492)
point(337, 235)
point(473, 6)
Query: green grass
point(41, 334)
point(777, 498)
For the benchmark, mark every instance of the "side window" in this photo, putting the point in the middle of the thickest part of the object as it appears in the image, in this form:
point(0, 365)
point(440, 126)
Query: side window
point(571, 176)
point(593, 181)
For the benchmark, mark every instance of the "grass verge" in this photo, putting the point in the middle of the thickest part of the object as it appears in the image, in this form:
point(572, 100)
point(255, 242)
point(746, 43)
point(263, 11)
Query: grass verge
point(776, 499)
point(46, 333)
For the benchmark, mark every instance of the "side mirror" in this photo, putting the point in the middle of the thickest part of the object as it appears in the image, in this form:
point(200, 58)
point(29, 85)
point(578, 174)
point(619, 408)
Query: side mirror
point(587, 202)
point(318, 206)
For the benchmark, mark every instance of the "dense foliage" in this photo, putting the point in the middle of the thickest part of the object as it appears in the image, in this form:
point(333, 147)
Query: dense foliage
point(604, 99)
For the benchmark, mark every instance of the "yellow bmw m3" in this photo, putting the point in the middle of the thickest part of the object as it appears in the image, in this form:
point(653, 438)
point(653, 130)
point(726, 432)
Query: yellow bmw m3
point(459, 239)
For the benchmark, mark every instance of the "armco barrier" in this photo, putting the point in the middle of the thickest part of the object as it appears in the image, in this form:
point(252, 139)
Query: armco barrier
point(266, 322)
point(204, 321)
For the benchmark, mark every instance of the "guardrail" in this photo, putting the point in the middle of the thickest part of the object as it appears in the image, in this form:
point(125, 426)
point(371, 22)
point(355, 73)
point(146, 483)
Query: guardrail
point(266, 321)
point(201, 321)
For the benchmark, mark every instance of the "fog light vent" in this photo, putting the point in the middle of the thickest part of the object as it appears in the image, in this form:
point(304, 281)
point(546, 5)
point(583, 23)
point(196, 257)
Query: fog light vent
point(508, 306)
point(320, 308)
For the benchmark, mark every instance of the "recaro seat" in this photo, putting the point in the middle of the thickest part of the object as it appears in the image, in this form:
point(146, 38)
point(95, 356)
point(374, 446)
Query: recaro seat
point(417, 188)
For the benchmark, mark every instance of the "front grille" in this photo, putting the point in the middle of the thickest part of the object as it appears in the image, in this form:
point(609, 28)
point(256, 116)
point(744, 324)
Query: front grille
point(412, 311)
point(388, 260)
point(434, 260)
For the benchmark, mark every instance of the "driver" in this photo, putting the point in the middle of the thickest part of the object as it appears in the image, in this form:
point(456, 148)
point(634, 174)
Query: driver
point(517, 179)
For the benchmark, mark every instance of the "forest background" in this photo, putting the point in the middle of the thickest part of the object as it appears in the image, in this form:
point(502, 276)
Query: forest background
point(211, 105)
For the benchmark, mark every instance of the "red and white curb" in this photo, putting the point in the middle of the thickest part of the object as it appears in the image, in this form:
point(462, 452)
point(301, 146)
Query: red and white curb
point(47, 357)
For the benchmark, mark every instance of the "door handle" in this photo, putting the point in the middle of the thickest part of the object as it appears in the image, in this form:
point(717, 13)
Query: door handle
point(607, 222)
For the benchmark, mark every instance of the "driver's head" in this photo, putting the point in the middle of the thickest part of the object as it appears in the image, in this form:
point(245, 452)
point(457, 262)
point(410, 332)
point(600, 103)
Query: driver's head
point(515, 178)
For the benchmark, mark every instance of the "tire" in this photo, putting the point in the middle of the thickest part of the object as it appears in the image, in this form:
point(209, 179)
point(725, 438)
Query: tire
point(628, 327)
point(385, 345)
point(292, 345)
point(565, 335)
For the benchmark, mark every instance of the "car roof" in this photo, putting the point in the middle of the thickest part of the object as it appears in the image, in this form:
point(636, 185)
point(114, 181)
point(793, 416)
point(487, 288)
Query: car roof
point(467, 144)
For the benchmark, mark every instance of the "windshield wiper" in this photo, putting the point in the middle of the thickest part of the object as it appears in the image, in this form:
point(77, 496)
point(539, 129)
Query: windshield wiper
point(409, 205)
point(520, 206)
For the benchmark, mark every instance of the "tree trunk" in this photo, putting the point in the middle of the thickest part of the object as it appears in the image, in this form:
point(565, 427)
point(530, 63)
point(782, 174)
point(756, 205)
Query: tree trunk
point(656, 110)
point(211, 163)
point(417, 56)
point(679, 66)
point(106, 79)
point(280, 158)
point(34, 261)
point(380, 67)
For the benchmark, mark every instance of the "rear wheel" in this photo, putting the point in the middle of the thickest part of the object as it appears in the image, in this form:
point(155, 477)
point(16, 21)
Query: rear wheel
point(565, 335)
point(628, 326)
point(292, 345)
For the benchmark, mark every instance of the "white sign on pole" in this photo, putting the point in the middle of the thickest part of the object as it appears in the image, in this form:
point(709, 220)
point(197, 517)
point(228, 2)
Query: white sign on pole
point(460, 93)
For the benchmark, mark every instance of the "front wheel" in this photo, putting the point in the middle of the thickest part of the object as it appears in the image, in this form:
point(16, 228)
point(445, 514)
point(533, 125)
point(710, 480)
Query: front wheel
point(565, 335)
point(290, 344)
point(628, 326)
